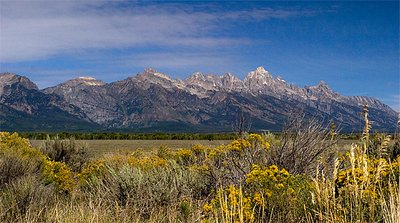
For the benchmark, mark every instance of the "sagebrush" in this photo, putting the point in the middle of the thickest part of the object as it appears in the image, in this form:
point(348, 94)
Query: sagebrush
point(300, 176)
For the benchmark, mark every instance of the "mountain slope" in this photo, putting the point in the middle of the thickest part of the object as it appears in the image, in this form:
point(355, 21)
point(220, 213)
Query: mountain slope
point(23, 107)
point(152, 101)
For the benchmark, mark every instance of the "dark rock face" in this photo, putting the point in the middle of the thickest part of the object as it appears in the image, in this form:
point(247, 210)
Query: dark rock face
point(153, 101)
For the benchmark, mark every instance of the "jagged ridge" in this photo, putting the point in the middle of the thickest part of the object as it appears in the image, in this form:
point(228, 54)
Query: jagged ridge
point(205, 101)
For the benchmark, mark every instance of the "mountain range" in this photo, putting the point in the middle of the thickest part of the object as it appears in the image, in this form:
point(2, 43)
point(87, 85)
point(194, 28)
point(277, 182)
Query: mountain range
point(153, 101)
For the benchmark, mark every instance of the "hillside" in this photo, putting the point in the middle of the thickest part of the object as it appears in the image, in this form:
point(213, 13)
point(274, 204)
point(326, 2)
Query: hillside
point(153, 101)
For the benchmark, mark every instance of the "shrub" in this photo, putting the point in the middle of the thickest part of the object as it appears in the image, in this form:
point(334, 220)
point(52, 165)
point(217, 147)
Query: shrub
point(14, 166)
point(134, 185)
point(68, 151)
point(302, 145)
point(269, 195)
point(226, 164)
point(17, 158)
point(25, 200)
point(58, 174)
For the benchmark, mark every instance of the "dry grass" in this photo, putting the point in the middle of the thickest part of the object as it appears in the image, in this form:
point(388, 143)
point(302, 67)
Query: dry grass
point(145, 181)
point(97, 148)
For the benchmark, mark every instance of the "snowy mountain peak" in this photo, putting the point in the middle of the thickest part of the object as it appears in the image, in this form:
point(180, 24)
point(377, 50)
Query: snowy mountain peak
point(195, 77)
point(150, 70)
point(322, 83)
point(323, 92)
point(162, 76)
point(211, 103)
point(322, 86)
point(86, 80)
point(150, 73)
point(261, 70)
point(260, 74)
point(228, 75)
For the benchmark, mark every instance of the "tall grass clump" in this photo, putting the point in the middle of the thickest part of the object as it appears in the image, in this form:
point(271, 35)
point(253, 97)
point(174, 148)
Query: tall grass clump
point(364, 187)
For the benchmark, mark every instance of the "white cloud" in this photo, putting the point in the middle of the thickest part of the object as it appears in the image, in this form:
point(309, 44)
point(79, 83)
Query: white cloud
point(31, 30)
point(180, 60)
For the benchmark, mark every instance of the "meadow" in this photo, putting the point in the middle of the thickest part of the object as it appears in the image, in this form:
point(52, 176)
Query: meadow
point(97, 148)
point(303, 174)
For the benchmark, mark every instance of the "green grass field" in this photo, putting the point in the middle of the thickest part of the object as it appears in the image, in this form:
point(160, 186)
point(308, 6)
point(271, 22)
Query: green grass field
point(99, 147)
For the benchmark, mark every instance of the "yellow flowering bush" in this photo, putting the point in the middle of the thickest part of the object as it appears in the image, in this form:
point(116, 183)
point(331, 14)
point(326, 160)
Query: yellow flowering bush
point(362, 181)
point(33, 161)
point(228, 164)
point(200, 149)
point(270, 177)
point(268, 191)
point(185, 156)
point(12, 143)
point(263, 183)
point(257, 140)
point(274, 189)
point(12, 140)
point(18, 158)
point(238, 145)
point(60, 175)
point(93, 170)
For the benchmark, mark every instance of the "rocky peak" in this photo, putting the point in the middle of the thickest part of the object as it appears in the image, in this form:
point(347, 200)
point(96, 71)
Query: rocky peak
point(85, 81)
point(151, 77)
point(212, 102)
point(151, 73)
point(321, 87)
point(230, 82)
point(86, 78)
point(258, 80)
point(195, 78)
point(259, 73)
point(206, 82)
point(8, 79)
point(150, 70)
point(230, 77)
point(322, 91)
point(261, 69)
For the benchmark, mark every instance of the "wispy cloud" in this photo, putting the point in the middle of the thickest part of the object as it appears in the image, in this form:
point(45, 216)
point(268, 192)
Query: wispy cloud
point(32, 30)
point(179, 60)
point(269, 13)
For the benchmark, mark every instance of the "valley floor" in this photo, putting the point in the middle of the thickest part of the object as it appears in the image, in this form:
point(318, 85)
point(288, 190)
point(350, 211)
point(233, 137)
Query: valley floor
point(97, 148)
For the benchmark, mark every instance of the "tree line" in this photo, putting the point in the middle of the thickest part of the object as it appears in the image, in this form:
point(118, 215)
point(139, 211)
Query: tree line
point(129, 136)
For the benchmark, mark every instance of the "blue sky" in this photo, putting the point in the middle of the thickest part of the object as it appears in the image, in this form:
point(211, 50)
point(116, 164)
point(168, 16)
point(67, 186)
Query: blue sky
point(353, 46)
